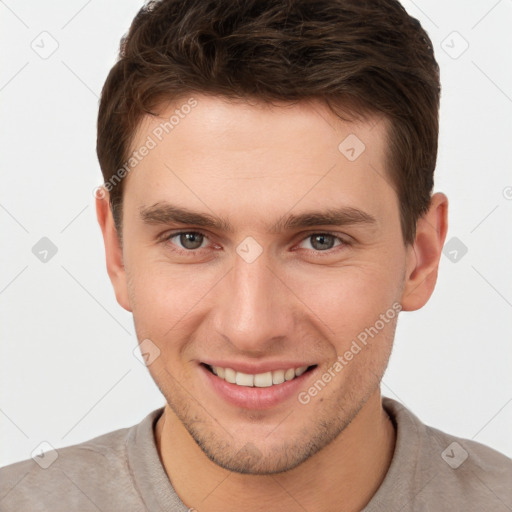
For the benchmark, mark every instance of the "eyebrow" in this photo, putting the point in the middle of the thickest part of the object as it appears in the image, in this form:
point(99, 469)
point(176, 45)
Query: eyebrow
point(165, 213)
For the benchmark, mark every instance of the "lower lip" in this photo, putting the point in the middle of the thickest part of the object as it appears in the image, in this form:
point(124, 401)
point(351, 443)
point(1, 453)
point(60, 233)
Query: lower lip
point(254, 397)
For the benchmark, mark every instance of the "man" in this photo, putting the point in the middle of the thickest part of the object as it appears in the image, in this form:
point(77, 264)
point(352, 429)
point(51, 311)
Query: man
point(267, 213)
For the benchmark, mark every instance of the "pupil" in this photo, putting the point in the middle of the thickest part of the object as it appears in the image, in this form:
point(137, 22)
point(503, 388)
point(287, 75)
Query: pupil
point(322, 241)
point(191, 240)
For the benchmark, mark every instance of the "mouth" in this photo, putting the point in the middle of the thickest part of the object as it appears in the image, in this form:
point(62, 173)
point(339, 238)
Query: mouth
point(259, 380)
point(261, 385)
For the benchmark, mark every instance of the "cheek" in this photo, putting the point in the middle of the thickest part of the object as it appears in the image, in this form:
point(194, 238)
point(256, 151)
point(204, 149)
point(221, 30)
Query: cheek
point(347, 299)
point(165, 297)
point(170, 300)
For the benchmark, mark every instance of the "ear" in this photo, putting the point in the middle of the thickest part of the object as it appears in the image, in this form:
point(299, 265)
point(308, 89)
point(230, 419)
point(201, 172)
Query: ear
point(424, 255)
point(113, 250)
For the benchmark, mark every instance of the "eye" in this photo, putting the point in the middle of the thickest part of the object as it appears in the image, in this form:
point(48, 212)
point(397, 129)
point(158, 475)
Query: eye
point(323, 241)
point(187, 240)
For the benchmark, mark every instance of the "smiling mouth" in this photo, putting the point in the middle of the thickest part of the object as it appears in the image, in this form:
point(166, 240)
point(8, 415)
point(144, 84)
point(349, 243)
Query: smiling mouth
point(259, 380)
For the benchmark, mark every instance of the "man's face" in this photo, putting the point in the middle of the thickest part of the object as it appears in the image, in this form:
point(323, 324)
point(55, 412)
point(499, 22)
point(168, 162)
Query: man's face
point(259, 299)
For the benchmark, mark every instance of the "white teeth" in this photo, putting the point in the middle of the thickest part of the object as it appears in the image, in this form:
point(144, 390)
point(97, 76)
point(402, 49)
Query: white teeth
point(278, 377)
point(230, 375)
point(259, 380)
point(289, 374)
point(244, 379)
point(263, 380)
point(300, 371)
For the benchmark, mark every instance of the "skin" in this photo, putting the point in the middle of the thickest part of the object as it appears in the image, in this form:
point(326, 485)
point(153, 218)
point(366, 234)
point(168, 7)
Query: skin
point(252, 164)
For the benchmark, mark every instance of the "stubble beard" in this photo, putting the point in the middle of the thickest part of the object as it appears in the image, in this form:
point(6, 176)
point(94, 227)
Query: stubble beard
point(250, 457)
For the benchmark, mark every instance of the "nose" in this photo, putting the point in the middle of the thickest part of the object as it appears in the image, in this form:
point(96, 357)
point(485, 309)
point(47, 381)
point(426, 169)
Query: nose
point(254, 312)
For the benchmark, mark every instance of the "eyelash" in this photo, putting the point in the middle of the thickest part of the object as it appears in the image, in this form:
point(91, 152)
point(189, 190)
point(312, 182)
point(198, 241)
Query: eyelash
point(167, 241)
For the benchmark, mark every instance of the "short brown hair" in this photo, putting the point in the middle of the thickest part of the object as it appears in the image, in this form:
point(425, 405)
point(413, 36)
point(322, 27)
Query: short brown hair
point(366, 56)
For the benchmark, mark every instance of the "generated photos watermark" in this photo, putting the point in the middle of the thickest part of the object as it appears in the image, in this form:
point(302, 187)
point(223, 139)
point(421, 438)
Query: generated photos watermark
point(343, 360)
point(149, 144)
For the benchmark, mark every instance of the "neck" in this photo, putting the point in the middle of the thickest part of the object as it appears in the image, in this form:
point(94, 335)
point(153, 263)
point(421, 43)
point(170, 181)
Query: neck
point(343, 476)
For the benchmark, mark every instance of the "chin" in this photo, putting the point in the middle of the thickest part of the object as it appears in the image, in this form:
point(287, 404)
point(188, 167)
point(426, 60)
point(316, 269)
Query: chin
point(264, 457)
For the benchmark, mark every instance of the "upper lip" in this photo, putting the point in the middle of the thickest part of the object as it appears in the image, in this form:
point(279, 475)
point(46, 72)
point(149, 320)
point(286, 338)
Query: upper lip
point(255, 368)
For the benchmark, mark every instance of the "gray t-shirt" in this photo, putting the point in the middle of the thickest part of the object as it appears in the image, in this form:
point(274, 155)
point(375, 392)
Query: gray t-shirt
point(121, 471)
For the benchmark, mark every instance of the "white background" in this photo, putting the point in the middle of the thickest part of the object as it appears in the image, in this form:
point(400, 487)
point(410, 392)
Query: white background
point(67, 371)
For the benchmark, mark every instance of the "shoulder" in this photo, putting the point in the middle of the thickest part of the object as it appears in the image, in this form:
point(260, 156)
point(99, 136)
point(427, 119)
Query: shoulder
point(98, 453)
point(82, 476)
point(470, 470)
point(441, 469)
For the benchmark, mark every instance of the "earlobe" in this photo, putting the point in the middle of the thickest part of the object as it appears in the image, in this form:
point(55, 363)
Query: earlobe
point(113, 251)
point(424, 255)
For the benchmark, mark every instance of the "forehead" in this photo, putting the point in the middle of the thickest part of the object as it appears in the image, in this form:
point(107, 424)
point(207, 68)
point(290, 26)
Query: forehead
point(242, 124)
point(207, 150)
